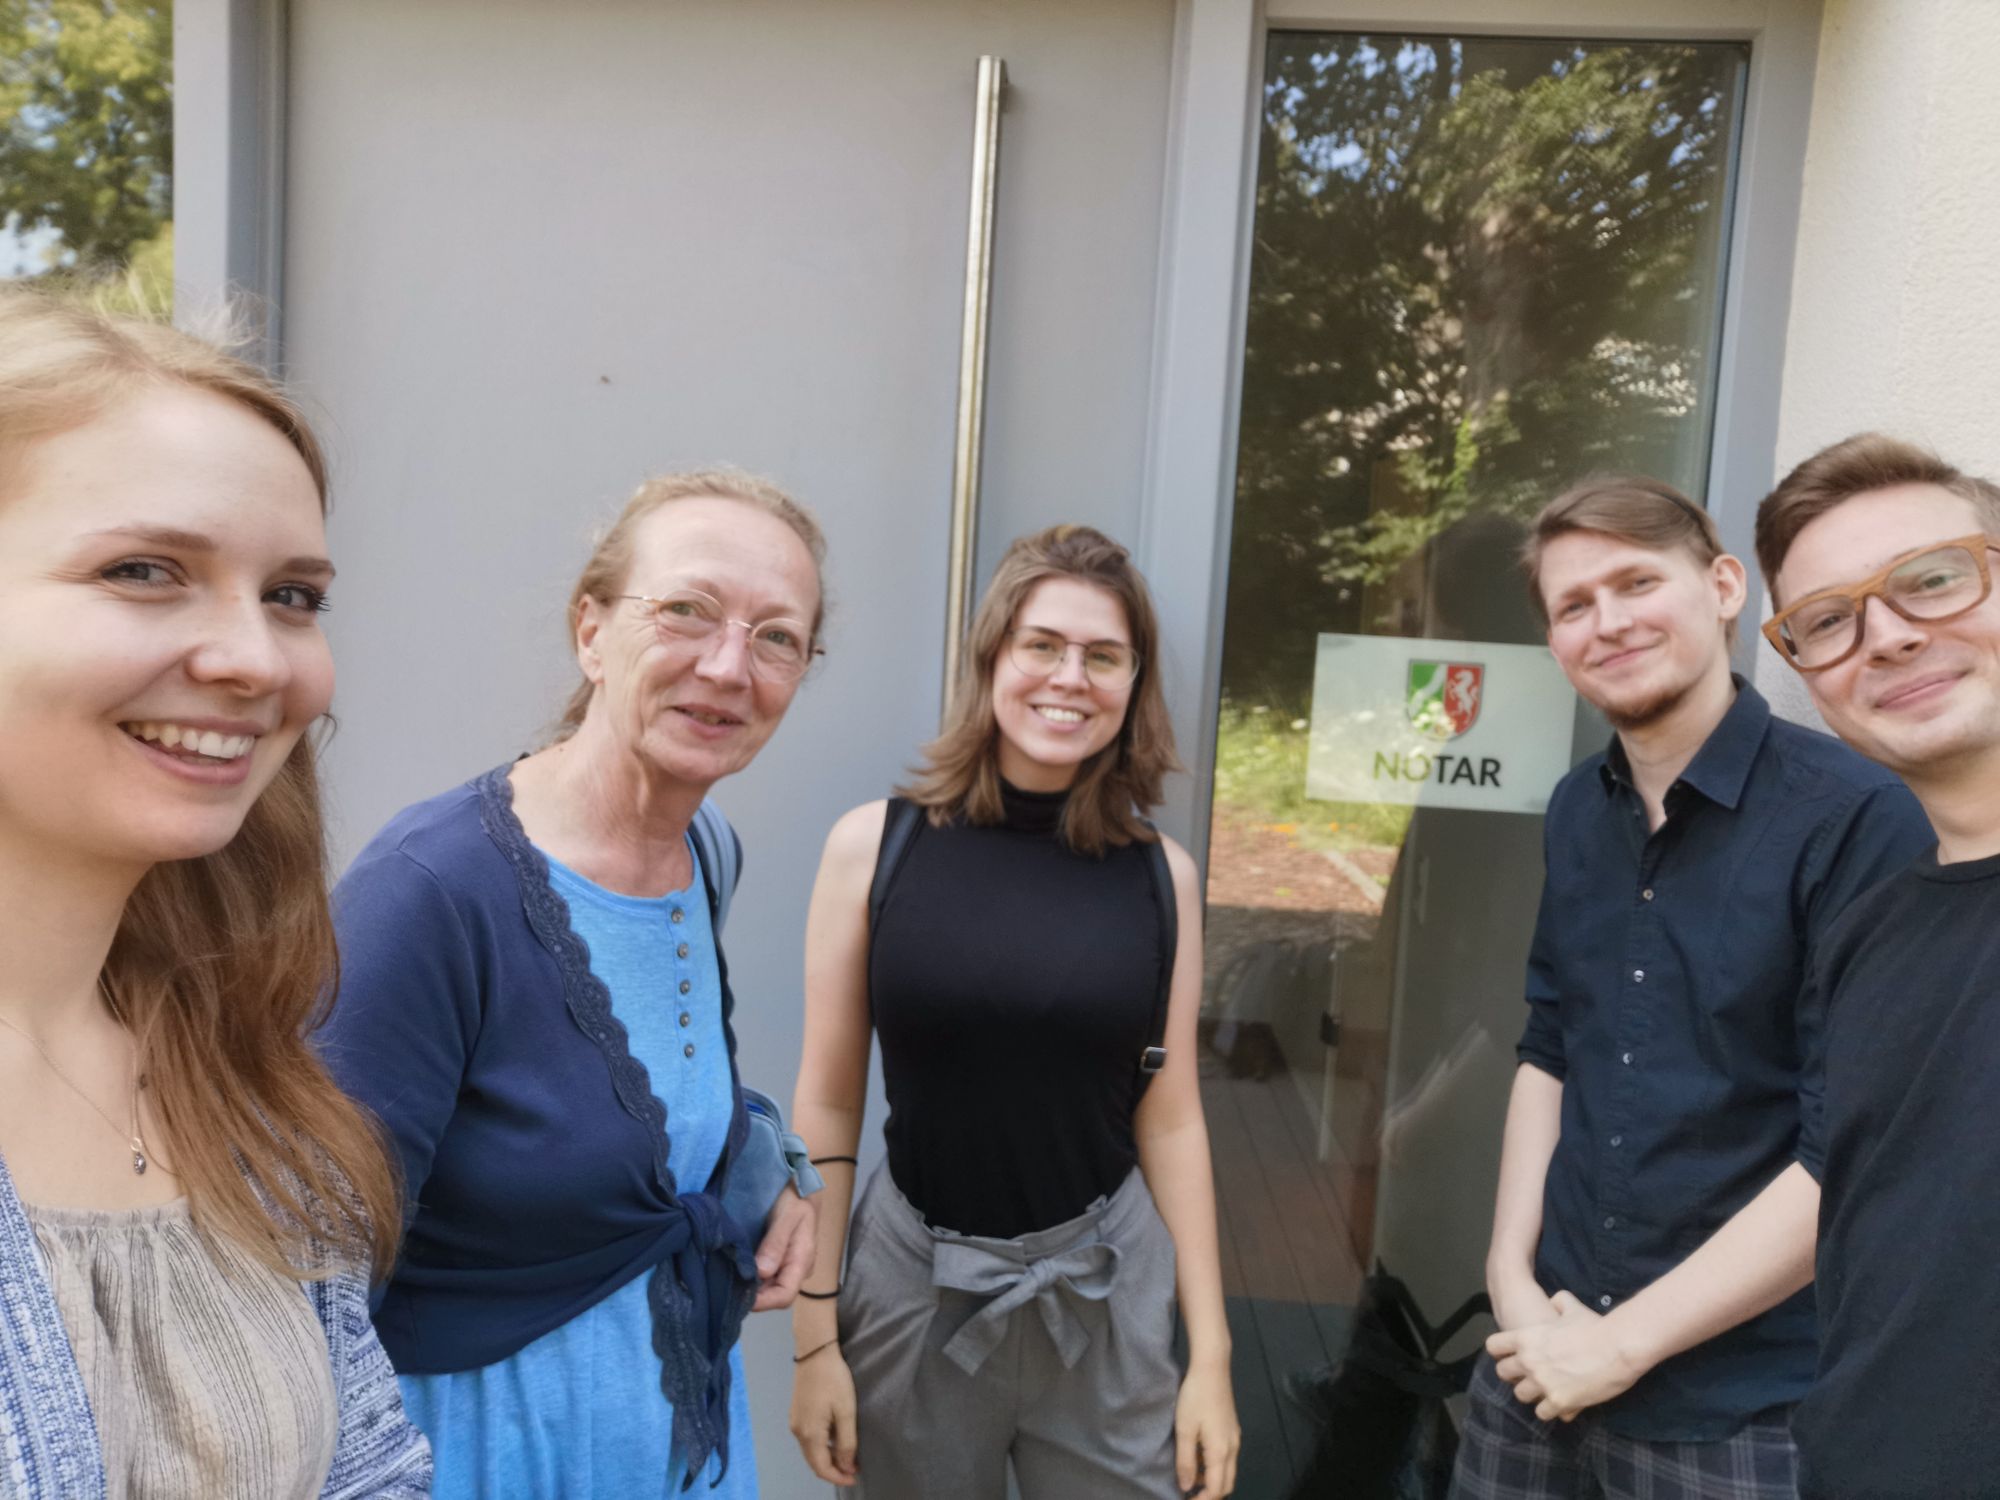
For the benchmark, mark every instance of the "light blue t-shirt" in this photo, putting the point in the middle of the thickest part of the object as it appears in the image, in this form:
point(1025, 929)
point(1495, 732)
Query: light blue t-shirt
point(579, 1412)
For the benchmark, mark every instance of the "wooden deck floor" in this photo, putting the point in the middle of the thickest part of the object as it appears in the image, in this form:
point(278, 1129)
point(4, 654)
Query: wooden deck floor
point(1289, 1272)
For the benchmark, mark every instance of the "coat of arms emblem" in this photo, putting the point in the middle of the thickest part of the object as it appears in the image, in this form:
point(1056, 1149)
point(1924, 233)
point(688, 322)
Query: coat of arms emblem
point(1442, 697)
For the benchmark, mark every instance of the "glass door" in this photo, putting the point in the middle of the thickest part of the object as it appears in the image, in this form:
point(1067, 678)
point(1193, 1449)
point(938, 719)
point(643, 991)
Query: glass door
point(1482, 267)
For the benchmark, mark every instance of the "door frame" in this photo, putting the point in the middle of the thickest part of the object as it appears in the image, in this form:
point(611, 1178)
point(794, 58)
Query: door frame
point(1188, 482)
point(230, 76)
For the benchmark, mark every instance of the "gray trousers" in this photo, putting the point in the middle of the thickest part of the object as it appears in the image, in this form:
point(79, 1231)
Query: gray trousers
point(1054, 1351)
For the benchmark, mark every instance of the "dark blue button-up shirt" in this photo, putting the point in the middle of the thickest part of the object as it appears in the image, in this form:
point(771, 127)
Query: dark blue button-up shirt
point(1662, 986)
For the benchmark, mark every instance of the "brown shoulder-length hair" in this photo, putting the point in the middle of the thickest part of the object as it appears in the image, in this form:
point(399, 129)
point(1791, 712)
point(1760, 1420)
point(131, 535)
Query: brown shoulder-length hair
point(1858, 465)
point(1116, 787)
point(224, 964)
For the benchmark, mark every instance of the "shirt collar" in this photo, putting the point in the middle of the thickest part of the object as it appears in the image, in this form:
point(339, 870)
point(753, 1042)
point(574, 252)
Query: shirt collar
point(1722, 765)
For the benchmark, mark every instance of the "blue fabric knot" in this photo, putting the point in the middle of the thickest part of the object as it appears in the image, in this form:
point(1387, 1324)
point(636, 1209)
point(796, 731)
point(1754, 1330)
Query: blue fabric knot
point(1068, 1288)
point(711, 1231)
point(699, 1294)
point(704, 1274)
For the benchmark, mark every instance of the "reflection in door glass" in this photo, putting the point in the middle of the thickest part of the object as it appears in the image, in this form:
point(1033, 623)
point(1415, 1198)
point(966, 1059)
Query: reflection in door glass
point(1481, 268)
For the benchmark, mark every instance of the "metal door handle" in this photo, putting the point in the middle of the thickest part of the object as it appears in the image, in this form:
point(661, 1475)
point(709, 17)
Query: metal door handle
point(969, 447)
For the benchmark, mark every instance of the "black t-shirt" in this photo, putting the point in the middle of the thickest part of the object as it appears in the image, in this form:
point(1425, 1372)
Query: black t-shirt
point(1012, 982)
point(1907, 1403)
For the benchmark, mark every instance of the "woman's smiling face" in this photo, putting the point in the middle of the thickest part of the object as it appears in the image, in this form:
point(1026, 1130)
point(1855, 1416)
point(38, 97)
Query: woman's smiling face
point(1049, 726)
point(162, 571)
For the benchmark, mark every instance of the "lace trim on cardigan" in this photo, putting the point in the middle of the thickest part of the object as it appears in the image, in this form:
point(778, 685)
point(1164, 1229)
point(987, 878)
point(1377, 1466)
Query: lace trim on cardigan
point(588, 1000)
point(689, 1378)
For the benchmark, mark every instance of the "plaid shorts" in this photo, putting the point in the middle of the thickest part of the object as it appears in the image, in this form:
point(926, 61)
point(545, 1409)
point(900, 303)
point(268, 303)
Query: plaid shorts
point(1508, 1453)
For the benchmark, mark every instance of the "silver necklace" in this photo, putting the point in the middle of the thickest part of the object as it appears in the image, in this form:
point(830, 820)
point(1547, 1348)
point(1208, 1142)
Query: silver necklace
point(135, 1142)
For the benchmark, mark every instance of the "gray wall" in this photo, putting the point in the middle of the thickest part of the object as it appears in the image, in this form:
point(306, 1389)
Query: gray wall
point(535, 251)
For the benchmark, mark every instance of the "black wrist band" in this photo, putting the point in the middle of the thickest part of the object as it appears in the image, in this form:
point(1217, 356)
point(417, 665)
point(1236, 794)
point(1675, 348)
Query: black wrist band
point(799, 1359)
point(820, 1296)
point(820, 1161)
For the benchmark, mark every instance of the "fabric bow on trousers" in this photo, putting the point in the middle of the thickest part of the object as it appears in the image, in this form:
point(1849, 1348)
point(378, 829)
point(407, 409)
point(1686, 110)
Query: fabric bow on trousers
point(955, 1378)
point(1065, 1288)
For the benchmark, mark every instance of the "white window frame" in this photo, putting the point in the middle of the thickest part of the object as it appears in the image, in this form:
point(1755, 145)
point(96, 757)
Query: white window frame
point(1187, 499)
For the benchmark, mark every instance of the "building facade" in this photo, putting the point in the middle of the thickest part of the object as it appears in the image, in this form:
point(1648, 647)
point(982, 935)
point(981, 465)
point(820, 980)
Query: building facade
point(1309, 302)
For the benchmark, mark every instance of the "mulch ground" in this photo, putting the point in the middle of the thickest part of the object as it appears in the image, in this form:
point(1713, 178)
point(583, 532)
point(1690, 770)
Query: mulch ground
point(1265, 886)
point(1252, 863)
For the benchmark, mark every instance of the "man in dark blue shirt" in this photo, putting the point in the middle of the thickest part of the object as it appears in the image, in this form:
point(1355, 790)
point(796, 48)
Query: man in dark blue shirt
point(1653, 1234)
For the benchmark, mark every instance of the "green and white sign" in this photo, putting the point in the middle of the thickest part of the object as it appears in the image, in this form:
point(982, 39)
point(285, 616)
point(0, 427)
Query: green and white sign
point(1471, 724)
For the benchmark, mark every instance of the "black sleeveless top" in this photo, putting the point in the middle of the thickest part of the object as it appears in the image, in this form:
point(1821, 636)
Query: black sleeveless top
point(1011, 981)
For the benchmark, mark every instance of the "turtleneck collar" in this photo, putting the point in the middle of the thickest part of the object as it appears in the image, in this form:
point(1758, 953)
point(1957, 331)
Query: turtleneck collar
point(1031, 812)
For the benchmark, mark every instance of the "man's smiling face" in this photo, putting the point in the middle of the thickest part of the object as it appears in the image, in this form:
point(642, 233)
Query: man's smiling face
point(1636, 629)
point(1918, 694)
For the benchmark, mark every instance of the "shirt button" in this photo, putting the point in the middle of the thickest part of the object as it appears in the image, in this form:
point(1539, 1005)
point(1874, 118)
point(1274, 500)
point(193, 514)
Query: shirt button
point(677, 915)
point(682, 951)
point(686, 985)
point(688, 1050)
point(1617, 1141)
point(686, 1019)
point(1626, 1059)
point(1605, 1300)
point(1646, 894)
point(1611, 1222)
point(1638, 976)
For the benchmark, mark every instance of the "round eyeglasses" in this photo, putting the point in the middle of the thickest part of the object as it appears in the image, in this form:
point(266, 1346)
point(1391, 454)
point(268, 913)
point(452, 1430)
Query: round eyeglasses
point(1041, 653)
point(1938, 582)
point(780, 649)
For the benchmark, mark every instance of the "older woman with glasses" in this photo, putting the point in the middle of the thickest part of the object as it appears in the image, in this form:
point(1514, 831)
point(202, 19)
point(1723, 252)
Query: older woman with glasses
point(1027, 949)
point(534, 1000)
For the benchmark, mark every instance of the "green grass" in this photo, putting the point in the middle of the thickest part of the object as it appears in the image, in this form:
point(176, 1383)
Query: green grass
point(1260, 768)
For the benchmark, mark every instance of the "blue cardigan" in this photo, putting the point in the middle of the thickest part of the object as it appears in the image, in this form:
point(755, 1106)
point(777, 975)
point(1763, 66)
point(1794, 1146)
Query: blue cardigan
point(533, 1148)
point(48, 1437)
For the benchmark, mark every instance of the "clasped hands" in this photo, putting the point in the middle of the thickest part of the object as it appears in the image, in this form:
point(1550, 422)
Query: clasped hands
point(1559, 1355)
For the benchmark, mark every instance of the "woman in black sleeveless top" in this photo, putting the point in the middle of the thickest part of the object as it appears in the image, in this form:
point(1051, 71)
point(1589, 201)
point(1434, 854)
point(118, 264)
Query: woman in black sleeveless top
point(1013, 1273)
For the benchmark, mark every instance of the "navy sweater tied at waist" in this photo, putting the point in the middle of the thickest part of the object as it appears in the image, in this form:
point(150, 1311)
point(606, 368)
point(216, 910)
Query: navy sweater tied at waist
point(533, 1148)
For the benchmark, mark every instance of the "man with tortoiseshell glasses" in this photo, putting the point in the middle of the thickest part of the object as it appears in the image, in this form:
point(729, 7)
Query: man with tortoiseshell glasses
point(1879, 559)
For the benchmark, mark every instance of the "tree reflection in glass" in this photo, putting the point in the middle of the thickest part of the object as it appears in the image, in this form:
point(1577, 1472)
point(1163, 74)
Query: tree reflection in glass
point(1481, 267)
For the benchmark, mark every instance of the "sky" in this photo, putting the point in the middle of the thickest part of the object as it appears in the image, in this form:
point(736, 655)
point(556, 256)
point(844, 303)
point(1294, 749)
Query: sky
point(21, 254)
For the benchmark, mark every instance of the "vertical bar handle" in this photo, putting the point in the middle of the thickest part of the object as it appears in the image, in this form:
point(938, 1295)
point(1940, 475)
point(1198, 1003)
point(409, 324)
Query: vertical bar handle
point(971, 431)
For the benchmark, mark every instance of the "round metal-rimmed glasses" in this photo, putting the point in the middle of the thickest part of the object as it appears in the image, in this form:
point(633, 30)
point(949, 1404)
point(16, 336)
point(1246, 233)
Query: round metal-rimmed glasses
point(1041, 653)
point(780, 648)
point(1938, 582)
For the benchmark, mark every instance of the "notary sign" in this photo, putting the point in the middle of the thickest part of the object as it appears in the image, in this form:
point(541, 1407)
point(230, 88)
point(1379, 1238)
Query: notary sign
point(1472, 724)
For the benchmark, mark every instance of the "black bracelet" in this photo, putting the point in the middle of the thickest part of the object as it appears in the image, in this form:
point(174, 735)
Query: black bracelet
point(821, 1161)
point(799, 1359)
point(820, 1296)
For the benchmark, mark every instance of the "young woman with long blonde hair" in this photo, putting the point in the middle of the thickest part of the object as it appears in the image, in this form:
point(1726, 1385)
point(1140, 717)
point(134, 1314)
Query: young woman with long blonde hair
point(190, 1210)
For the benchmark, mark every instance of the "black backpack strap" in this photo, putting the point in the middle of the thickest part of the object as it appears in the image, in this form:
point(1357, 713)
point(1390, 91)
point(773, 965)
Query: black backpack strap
point(1478, 1304)
point(900, 823)
point(1390, 1320)
point(1154, 1057)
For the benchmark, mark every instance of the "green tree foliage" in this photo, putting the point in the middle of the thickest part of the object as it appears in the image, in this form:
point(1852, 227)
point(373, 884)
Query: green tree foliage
point(86, 129)
point(1480, 269)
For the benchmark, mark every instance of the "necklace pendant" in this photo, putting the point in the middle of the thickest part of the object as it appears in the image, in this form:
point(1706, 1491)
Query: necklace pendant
point(138, 1162)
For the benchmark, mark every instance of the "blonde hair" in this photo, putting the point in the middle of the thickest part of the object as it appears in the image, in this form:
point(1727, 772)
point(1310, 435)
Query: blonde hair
point(604, 575)
point(223, 964)
point(1122, 782)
